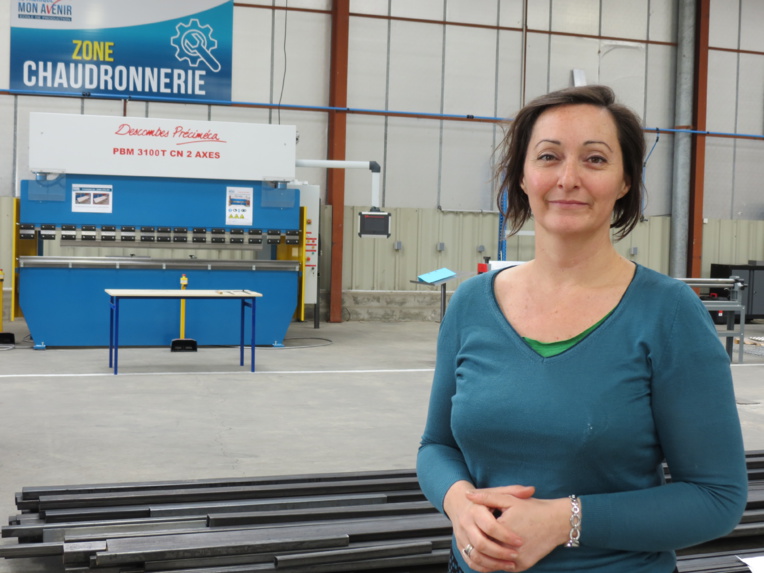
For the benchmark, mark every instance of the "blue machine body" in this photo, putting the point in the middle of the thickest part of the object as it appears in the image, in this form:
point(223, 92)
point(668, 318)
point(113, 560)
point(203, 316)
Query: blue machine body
point(155, 201)
point(66, 305)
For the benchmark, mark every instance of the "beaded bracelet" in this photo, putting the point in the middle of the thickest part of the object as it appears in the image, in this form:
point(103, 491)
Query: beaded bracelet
point(575, 522)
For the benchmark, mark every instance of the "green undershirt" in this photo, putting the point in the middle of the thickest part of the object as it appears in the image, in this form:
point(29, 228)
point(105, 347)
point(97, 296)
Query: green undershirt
point(547, 349)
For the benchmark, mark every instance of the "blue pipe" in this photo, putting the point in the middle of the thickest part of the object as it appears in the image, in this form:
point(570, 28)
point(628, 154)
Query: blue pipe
point(345, 109)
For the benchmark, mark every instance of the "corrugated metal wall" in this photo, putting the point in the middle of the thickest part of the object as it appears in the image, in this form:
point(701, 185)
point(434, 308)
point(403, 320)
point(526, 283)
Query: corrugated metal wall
point(375, 264)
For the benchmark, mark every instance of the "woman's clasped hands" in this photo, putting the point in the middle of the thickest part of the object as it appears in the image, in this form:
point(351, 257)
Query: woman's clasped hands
point(505, 528)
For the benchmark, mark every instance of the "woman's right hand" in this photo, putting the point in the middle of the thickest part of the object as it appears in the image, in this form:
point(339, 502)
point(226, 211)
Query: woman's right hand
point(493, 545)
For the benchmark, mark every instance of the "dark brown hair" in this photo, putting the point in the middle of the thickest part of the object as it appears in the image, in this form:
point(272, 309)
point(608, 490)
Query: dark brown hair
point(514, 146)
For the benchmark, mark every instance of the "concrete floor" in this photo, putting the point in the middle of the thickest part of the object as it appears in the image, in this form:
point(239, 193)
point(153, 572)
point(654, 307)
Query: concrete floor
point(344, 397)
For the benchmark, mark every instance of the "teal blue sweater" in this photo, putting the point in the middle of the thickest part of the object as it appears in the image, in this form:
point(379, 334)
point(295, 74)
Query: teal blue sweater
point(652, 382)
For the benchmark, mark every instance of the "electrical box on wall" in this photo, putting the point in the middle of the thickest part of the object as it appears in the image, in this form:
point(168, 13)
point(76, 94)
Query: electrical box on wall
point(373, 224)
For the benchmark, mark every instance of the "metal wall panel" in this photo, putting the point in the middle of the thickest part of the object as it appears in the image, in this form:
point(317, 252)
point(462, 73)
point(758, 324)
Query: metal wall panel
point(428, 257)
point(369, 7)
point(751, 19)
point(449, 228)
point(568, 53)
point(251, 59)
point(509, 70)
point(416, 56)
point(407, 264)
point(658, 175)
point(239, 114)
point(724, 22)
point(102, 107)
point(656, 245)
point(663, 21)
point(177, 111)
point(367, 63)
point(470, 61)
point(710, 252)
point(412, 162)
point(659, 86)
point(579, 17)
point(727, 246)
point(6, 224)
point(722, 91)
point(750, 102)
point(466, 180)
point(623, 67)
point(537, 65)
point(747, 196)
point(539, 14)
point(650, 241)
point(7, 145)
point(731, 242)
point(309, 4)
point(5, 41)
point(307, 62)
point(483, 12)
point(718, 179)
point(520, 247)
point(461, 234)
point(424, 9)
point(658, 112)
point(511, 13)
point(625, 19)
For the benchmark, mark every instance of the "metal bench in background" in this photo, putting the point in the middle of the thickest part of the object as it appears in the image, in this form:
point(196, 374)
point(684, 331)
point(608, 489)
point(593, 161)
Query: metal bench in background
point(735, 305)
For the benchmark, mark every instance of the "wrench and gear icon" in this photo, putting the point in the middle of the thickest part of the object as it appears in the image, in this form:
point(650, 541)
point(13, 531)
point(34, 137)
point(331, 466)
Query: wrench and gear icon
point(194, 43)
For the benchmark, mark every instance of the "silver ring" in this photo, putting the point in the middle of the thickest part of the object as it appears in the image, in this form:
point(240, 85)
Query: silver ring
point(467, 550)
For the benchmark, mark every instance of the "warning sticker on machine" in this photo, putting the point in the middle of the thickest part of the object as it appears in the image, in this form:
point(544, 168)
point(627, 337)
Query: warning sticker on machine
point(92, 198)
point(239, 206)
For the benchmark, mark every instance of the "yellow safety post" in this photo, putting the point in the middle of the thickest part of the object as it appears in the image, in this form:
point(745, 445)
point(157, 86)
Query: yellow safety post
point(183, 344)
point(183, 285)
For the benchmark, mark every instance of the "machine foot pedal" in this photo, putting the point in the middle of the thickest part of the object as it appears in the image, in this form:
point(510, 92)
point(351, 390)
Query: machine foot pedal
point(7, 338)
point(183, 345)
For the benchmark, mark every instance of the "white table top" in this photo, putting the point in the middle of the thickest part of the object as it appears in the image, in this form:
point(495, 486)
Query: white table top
point(180, 293)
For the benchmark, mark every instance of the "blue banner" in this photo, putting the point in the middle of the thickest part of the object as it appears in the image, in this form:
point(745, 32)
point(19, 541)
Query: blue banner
point(171, 49)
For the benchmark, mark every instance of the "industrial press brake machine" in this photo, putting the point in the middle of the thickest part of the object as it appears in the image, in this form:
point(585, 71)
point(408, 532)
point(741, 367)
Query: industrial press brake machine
point(81, 233)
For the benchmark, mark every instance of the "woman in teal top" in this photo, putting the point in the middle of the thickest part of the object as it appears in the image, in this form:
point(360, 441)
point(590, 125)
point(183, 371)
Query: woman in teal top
point(562, 384)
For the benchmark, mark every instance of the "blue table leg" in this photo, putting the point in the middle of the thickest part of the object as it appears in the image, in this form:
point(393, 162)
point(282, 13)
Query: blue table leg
point(252, 357)
point(241, 334)
point(111, 330)
point(116, 335)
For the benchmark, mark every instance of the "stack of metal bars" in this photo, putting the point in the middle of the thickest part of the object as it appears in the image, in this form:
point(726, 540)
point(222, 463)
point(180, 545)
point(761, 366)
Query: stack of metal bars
point(324, 522)
point(321, 523)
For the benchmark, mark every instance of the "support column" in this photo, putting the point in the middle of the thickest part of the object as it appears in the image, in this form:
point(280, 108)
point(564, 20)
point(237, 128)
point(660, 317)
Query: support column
point(335, 178)
point(683, 116)
point(697, 181)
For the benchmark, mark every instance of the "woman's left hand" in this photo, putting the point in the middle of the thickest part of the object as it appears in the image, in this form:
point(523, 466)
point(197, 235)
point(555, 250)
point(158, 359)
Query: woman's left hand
point(543, 524)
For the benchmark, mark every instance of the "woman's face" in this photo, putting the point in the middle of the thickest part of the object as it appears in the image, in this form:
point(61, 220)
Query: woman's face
point(573, 172)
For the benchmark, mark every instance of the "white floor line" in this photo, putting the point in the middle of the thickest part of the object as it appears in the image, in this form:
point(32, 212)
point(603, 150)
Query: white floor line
point(92, 374)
